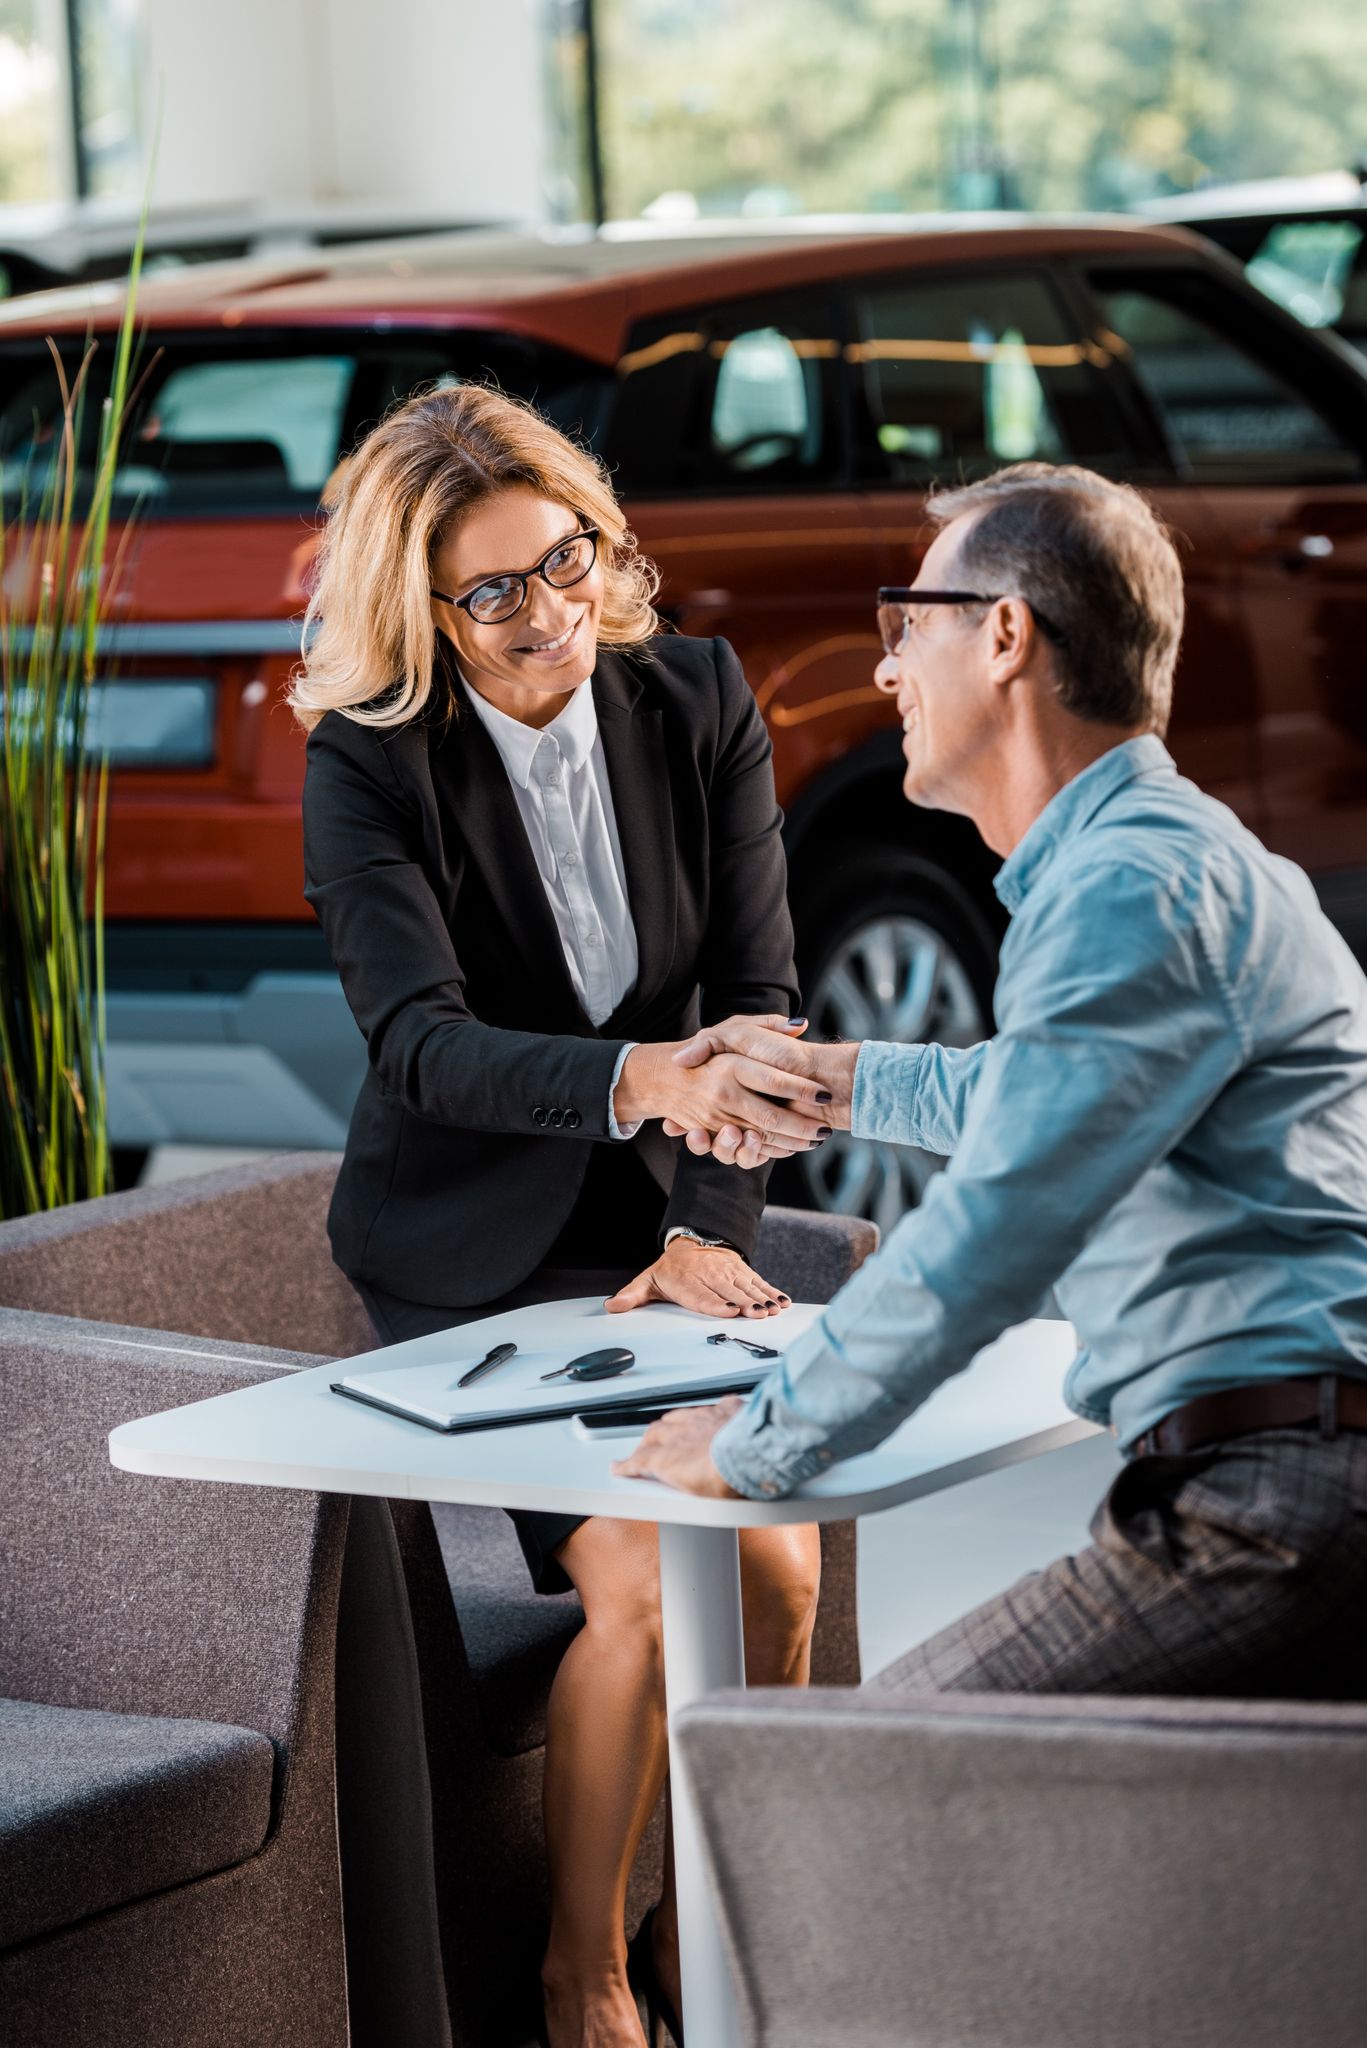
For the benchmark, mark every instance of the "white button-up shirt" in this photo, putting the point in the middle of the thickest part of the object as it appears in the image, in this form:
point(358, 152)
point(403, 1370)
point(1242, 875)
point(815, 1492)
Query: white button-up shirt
point(559, 778)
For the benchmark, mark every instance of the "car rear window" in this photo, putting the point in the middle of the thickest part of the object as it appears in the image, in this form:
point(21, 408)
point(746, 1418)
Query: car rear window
point(1235, 407)
point(256, 426)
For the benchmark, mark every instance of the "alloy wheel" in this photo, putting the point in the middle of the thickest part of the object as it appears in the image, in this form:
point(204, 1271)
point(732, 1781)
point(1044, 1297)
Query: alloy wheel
point(893, 978)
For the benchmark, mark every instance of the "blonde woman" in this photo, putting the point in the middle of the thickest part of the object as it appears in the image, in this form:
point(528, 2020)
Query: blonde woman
point(543, 843)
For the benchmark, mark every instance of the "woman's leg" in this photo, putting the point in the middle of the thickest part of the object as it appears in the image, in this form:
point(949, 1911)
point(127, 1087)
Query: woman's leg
point(780, 1580)
point(606, 1758)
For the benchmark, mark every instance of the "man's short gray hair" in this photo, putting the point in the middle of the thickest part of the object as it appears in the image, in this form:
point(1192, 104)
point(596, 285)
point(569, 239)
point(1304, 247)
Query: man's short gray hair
point(1096, 561)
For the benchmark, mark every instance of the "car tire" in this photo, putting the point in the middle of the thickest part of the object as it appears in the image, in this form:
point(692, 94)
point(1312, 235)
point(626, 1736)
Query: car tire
point(890, 946)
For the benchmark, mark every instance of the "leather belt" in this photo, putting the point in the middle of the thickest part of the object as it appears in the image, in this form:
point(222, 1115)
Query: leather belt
point(1328, 1399)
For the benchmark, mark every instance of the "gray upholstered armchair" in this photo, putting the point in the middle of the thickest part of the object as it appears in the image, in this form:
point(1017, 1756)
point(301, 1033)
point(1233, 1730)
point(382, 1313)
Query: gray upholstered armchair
point(168, 1847)
point(989, 1872)
point(445, 1654)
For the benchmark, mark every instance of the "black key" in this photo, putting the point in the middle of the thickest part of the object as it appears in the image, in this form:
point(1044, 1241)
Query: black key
point(595, 1365)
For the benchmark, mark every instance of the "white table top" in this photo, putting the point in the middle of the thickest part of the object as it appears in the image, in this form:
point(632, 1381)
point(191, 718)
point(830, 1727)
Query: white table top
point(293, 1431)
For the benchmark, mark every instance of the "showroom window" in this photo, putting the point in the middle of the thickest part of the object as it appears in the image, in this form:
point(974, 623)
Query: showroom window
point(33, 112)
point(70, 117)
point(1229, 415)
point(960, 375)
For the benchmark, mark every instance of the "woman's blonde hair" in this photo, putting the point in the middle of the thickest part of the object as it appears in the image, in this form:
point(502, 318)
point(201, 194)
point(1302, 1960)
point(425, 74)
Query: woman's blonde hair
point(370, 644)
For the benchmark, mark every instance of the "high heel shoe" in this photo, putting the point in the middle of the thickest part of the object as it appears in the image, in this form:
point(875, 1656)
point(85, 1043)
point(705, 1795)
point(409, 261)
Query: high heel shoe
point(643, 1977)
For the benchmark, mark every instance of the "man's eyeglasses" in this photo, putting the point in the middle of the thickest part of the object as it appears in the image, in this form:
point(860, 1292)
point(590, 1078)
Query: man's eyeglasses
point(898, 605)
point(502, 597)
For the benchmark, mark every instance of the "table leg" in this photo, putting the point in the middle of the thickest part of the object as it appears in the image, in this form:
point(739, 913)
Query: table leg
point(704, 1650)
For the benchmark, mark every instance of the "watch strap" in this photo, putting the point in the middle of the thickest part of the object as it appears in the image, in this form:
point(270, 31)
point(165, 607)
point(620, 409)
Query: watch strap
point(720, 1244)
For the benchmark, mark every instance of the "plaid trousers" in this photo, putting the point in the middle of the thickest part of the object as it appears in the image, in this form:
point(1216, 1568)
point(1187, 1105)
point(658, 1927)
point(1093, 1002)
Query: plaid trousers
point(1239, 1569)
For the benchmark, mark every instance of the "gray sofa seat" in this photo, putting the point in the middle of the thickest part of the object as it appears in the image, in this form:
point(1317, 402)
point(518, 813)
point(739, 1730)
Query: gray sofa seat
point(514, 1636)
point(994, 1871)
point(161, 1631)
point(97, 1809)
point(445, 1653)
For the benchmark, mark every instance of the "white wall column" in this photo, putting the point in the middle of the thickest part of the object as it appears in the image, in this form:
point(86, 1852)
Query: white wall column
point(434, 104)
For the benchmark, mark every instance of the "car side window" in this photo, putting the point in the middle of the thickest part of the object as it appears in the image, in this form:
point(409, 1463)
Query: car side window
point(959, 375)
point(1230, 412)
point(732, 398)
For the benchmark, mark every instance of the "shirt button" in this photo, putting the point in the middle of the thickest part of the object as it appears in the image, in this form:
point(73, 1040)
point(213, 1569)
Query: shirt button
point(569, 860)
point(593, 939)
point(553, 779)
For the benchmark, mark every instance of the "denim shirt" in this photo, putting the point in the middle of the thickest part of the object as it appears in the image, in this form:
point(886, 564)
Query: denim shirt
point(1170, 1128)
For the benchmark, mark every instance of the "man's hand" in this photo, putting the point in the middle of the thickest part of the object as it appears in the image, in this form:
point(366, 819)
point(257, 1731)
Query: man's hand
point(709, 1279)
point(720, 1090)
point(772, 1041)
point(677, 1450)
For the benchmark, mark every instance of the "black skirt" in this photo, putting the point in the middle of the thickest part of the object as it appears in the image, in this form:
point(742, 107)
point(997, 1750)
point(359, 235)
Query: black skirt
point(617, 1216)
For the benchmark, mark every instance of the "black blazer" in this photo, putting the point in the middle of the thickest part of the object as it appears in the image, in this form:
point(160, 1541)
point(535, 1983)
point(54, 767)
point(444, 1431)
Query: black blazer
point(487, 1084)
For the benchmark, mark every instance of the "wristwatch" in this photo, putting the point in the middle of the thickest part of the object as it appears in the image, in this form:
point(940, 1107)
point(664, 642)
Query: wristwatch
point(716, 1244)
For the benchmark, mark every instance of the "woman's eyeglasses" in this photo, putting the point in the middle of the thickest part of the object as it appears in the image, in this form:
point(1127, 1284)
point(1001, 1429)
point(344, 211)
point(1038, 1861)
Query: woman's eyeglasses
point(502, 597)
point(898, 605)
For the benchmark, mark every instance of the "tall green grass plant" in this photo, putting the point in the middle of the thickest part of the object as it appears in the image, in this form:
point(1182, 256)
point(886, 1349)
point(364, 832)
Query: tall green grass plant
point(54, 574)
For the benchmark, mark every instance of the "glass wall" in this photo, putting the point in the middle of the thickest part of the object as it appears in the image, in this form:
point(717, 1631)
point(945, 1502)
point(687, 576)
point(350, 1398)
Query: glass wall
point(107, 61)
point(33, 119)
point(70, 119)
point(781, 106)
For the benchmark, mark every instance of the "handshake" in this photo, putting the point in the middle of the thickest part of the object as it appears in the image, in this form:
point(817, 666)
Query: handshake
point(746, 1091)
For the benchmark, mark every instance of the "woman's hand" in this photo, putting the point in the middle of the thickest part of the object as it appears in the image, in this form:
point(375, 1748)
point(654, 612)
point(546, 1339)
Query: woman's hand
point(709, 1279)
point(773, 1041)
point(723, 1089)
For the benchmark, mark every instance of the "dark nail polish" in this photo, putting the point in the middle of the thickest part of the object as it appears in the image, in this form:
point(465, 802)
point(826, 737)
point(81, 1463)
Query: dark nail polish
point(796, 1020)
point(771, 1304)
point(823, 1095)
point(823, 1130)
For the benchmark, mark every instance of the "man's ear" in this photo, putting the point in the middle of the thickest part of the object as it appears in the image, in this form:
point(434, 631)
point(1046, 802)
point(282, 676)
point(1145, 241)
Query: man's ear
point(1014, 638)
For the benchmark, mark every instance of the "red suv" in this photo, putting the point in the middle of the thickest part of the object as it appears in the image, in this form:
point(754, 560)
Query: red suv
point(774, 405)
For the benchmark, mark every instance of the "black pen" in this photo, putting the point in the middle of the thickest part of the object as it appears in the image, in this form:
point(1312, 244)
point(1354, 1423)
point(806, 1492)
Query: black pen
point(489, 1363)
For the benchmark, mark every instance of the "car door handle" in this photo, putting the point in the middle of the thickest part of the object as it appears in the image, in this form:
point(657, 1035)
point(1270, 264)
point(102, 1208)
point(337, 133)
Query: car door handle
point(1290, 551)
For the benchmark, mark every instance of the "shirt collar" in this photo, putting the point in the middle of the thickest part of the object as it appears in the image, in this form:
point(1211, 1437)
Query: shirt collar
point(1072, 810)
point(573, 730)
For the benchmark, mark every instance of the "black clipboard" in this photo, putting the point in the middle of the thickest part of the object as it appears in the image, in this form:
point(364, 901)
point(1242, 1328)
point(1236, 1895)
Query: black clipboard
point(559, 1411)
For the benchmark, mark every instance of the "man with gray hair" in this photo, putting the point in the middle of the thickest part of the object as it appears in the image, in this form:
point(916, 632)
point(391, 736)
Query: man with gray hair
point(1170, 1127)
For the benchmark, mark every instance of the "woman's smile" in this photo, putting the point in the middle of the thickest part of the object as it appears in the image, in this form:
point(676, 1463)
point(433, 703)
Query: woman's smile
point(552, 651)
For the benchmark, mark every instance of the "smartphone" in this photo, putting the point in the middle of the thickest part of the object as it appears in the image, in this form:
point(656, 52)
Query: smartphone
point(596, 1423)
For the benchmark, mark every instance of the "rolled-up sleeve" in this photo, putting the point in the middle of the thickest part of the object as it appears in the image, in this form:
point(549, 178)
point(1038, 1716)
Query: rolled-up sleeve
point(1116, 1034)
point(914, 1094)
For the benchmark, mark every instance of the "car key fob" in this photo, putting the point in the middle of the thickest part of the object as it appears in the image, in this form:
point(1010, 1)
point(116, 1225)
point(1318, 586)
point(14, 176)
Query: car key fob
point(595, 1365)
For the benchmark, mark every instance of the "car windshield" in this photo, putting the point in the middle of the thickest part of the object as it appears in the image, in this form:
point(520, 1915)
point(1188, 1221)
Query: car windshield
point(259, 426)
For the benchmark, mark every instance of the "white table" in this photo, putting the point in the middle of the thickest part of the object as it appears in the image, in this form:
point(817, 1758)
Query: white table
point(294, 1431)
